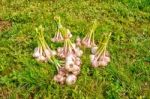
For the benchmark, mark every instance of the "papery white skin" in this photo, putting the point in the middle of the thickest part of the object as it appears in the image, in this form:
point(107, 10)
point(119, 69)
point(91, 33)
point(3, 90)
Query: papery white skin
point(92, 57)
point(70, 67)
point(68, 62)
point(78, 41)
point(53, 52)
point(36, 52)
point(71, 79)
point(70, 57)
point(42, 58)
point(78, 52)
point(94, 49)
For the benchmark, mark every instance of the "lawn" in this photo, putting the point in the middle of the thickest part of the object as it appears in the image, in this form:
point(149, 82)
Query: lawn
point(126, 76)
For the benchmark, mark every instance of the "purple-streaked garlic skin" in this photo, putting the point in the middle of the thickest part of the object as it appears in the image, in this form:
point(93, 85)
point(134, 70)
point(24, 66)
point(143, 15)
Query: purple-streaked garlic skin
point(100, 60)
point(62, 71)
point(58, 37)
point(64, 52)
point(59, 78)
point(60, 52)
point(88, 42)
point(71, 53)
point(43, 55)
point(71, 79)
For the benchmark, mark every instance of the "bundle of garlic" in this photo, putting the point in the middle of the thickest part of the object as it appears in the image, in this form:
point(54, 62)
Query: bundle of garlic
point(100, 56)
point(58, 37)
point(88, 40)
point(42, 52)
point(69, 49)
point(71, 68)
point(64, 76)
point(71, 53)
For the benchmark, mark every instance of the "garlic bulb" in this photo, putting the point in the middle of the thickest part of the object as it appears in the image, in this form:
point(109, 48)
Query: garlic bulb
point(94, 49)
point(71, 79)
point(36, 52)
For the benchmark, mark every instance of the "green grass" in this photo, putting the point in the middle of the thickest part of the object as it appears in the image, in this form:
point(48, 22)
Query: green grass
point(128, 74)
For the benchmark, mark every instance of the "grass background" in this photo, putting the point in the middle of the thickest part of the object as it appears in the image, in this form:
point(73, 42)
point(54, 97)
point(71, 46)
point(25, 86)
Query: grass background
point(128, 74)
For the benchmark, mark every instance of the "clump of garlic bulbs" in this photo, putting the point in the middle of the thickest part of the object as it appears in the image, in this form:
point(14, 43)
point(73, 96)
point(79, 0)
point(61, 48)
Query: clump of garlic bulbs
point(100, 56)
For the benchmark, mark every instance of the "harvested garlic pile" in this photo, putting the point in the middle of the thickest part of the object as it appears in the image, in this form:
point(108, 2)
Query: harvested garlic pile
point(69, 67)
